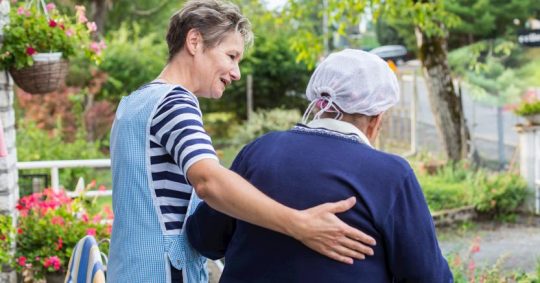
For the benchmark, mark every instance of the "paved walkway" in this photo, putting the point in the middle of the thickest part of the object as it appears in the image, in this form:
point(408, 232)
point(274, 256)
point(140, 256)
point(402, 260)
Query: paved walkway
point(518, 243)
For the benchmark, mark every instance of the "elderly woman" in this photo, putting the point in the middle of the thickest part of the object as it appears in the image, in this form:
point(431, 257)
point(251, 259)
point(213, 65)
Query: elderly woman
point(328, 159)
point(161, 155)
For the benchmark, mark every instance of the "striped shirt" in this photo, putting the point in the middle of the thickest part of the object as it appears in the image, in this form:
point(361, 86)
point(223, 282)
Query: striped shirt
point(177, 141)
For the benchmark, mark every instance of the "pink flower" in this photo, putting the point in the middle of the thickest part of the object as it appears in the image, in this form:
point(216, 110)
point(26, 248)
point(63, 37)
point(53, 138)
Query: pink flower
point(30, 51)
point(91, 231)
point(475, 247)
point(102, 188)
point(70, 32)
point(21, 10)
point(21, 261)
point(91, 26)
point(50, 7)
point(108, 211)
point(52, 23)
point(97, 218)
point(81, 14)
point(53, 261)
point(84, 217)
point(97, 47)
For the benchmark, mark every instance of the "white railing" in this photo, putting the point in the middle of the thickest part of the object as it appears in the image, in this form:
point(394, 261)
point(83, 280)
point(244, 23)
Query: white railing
point(55, 165)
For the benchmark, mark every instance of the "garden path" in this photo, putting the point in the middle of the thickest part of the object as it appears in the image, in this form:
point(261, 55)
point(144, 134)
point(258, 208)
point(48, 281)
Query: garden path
point(518, 243)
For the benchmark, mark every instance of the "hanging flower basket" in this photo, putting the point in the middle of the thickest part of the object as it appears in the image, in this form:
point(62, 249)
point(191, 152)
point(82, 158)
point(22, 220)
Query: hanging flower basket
point(46, 75)
point(38, 42)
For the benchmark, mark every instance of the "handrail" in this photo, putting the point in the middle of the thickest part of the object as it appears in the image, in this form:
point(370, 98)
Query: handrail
point(54, 165)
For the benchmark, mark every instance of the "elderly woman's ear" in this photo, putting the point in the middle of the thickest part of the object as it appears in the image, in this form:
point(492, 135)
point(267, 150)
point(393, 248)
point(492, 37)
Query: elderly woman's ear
point(373, 127)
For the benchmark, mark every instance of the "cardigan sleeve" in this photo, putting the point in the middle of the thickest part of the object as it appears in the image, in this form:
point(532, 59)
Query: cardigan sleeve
point(413, 251)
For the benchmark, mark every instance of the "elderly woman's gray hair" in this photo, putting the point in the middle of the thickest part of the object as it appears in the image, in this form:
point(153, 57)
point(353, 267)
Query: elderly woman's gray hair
point(214, 19)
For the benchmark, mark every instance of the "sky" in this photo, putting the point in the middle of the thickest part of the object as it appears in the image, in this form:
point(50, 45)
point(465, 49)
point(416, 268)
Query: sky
point(273, 4)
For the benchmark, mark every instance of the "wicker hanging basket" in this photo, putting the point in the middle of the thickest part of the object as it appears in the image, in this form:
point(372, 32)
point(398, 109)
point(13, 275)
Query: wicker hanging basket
point(42, 77)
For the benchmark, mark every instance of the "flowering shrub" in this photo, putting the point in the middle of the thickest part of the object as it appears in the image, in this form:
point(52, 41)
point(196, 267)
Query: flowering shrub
point(30, 32)
point(6, 236)
point(49, 226)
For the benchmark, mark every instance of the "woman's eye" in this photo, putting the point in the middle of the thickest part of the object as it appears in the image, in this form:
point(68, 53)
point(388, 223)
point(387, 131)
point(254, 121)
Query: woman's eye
point(232, 57)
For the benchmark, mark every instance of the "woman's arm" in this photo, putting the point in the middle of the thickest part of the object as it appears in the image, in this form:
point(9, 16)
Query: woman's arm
point(317, 227)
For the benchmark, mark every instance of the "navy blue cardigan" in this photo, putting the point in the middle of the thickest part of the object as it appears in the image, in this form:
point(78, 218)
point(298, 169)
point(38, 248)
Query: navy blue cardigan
point(304, 167)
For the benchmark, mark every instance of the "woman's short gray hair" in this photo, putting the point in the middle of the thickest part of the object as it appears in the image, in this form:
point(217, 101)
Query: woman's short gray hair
point(212, 18)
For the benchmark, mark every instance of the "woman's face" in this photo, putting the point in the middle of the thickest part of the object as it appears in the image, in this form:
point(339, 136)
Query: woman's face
point(218, 66)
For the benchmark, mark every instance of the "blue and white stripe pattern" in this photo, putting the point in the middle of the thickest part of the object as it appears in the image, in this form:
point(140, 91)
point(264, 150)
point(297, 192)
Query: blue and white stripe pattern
point(85, 264)
point(177, 141)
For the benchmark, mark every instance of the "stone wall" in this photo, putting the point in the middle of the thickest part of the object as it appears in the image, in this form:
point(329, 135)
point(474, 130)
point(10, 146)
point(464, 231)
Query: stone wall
point(9, 189)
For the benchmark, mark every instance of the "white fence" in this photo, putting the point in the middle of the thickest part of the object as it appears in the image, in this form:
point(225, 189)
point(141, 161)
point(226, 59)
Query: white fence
point(56, 165)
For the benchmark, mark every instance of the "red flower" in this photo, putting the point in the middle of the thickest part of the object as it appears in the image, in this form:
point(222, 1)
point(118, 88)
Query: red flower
point(52, 23)
point(59, 244)
point(19, 231)
point(21, 261)
point(30, 51)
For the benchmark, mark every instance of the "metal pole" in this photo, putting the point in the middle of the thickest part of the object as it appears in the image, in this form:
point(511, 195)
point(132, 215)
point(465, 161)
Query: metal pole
point(414, 118)
point(249, 96)
point(500, 131)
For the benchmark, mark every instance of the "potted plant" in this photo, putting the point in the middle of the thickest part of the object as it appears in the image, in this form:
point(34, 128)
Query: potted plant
point(49, 226)
point(530, 108)
point(39, 40)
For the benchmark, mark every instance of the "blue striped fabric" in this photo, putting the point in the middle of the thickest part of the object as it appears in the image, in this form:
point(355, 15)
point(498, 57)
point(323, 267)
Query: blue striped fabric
point(177, 140)
point(85, 265)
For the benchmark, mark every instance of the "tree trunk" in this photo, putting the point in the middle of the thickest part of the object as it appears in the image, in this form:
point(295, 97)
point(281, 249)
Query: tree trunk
point(99, 15)
point(445, 102)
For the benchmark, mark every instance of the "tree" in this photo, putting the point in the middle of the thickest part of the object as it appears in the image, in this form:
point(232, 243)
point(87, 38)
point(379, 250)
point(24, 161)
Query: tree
point(488, 19)
point(430, 20)
point(487, 68)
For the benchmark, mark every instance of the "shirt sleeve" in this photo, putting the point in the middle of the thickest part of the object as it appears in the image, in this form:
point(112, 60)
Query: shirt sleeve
point(210, 231)
point(411, 244)
point(177, 126)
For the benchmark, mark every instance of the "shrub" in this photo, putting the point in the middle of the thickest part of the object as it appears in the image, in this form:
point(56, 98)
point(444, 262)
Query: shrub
point(49, 226)
point(6, 238)
point(499, 194)
point(131, 60)
point(219, 125)
point(34, 144)
point(263, 122)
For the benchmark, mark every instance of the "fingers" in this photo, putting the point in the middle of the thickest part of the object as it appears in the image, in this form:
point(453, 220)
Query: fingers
point(341, 206)
point(354, 249)
point(335, 256)
point(359, 236)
